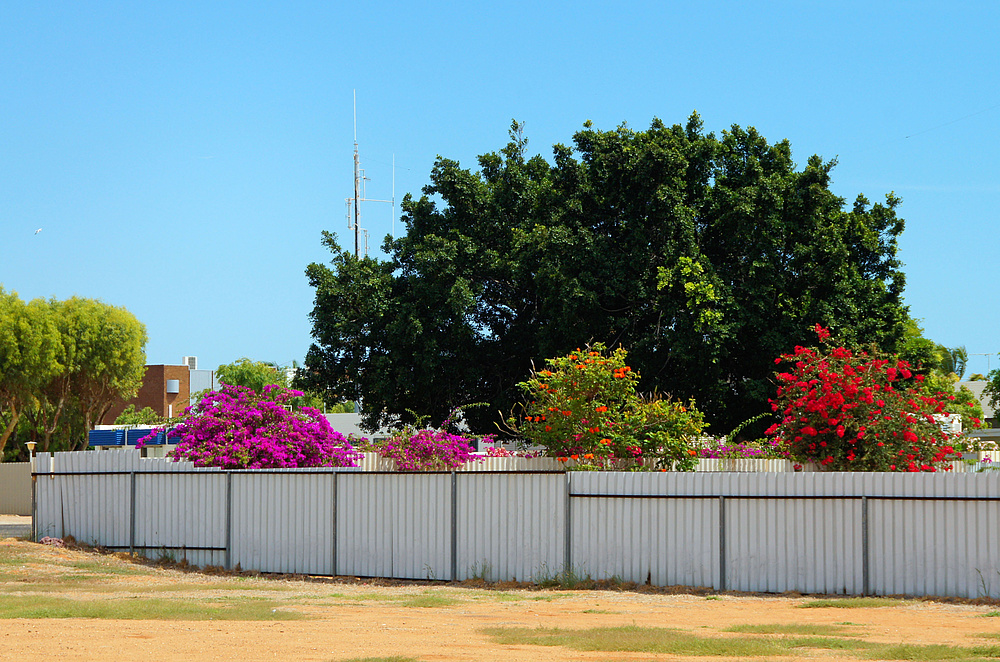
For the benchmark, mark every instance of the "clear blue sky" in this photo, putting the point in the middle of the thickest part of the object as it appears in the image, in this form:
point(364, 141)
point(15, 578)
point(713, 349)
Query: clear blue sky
point(182, 158)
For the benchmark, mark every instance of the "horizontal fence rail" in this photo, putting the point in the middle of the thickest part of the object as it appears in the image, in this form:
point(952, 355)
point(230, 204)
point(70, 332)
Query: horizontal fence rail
point(838, 533)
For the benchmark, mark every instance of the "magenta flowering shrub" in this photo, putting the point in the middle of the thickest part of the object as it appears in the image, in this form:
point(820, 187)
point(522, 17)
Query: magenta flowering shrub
point(237, 428)
point(424, 450)
point(427, 449)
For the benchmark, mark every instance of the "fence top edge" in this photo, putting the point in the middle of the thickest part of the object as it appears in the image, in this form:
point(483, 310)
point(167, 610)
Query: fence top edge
point(788, 497)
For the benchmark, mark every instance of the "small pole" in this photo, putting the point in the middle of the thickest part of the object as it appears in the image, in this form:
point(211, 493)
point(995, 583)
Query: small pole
point(568, 553)
point(454, 526)
point(229, 520)
point(722, 543)
point(131, 515)
point(865, 577)
point(333, 554)
point(34, 488)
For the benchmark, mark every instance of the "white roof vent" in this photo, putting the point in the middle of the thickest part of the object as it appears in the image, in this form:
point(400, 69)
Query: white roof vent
point(190, 361)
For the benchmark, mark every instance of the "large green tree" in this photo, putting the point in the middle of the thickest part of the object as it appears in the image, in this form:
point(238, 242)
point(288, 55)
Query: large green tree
point(30, 353)
point(63, 364)
point(704, 256)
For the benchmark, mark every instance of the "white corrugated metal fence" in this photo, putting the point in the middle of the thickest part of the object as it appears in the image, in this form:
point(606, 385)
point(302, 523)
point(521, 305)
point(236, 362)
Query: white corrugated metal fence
point(846, 533)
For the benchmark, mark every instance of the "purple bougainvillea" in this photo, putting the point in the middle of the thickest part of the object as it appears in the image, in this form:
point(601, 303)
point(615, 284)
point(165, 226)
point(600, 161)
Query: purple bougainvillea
point(237, 428)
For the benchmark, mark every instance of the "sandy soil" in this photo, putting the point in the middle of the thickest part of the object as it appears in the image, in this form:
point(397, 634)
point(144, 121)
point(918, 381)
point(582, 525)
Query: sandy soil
point(358, 620)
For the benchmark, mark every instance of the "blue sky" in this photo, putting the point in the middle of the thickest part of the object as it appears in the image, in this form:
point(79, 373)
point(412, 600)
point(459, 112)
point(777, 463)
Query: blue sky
point(182, 158)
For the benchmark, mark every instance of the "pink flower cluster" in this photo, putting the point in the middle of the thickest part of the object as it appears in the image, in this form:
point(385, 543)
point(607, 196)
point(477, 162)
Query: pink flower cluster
point(237, 428)
point(424, 450)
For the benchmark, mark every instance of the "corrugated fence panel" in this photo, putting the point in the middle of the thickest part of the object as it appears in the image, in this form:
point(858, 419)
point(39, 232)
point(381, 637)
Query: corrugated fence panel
point(511, 526)
point(15, 488)
point(364, 530)
point(921, 547)
point(422, 520)
point(181, 516)
point(48, 500)
point(283, 521)
point(789, 544)
point(95, 509)
point(394, 525)
point(663, 541)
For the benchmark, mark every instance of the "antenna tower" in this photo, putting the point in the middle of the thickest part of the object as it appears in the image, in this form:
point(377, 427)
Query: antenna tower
point(354, 203)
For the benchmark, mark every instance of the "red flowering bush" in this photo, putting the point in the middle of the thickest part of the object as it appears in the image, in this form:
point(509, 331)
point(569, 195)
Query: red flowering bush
point(584, 406)
point(852, 411)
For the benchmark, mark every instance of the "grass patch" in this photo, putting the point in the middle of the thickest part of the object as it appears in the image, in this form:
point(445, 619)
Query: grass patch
point(599, 611)
point(991, 614)
point(426, 601)
point(932, 652)
point(102, 566)
point(853, 603)
point(145, 608)
point(806, 629)
point(639, 640)
point(829, 643)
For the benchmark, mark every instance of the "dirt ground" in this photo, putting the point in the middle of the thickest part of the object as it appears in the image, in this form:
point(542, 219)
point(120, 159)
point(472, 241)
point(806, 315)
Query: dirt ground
point(358, 620)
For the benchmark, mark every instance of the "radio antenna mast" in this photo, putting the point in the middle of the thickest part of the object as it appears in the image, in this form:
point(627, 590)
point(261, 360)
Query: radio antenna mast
point(354, 204)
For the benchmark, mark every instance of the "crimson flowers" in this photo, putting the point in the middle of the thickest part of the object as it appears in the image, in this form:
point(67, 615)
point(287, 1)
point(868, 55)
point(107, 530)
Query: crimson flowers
point(856, 412)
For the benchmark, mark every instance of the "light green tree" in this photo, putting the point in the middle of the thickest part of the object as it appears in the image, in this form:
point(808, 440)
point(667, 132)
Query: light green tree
point(110, 357)
point(29, 356)
point(255, 375)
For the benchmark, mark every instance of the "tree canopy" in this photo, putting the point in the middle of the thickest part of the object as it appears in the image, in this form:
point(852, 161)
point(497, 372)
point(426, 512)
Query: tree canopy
point(62, 365)
point(704, 256)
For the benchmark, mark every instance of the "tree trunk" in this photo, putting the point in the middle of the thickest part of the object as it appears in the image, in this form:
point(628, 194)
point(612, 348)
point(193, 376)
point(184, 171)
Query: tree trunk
point(15, 415)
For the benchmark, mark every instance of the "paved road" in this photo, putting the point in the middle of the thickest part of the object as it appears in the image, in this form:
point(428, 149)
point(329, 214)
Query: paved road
point(14, 526)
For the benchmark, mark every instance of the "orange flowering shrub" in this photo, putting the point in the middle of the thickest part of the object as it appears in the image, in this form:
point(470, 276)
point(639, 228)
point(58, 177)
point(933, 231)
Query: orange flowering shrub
point(584, 406)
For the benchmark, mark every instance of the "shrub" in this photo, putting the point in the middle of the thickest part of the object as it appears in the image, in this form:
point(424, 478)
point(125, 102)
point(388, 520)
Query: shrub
point(237, 428)
point(585, 406)
point(855, 411)
point(424, 449)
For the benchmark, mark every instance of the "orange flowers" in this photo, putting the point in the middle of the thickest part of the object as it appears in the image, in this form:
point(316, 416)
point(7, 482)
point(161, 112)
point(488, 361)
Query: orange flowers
point(619, 373)
point(601, 409)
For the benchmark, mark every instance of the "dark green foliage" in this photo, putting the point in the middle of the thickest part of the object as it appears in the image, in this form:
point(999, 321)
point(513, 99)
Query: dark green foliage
point(705, 257)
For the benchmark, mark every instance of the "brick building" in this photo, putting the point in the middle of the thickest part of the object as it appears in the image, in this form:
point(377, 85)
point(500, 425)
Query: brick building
point(166, 389)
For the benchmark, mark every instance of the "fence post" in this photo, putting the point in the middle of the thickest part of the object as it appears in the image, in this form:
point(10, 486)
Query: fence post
point(568, 554)
point(865, 578)
point(722, 543)
point(454, 526)
point(34, 506)
point(229, 520)
point(333, 555)
point(131, 515)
